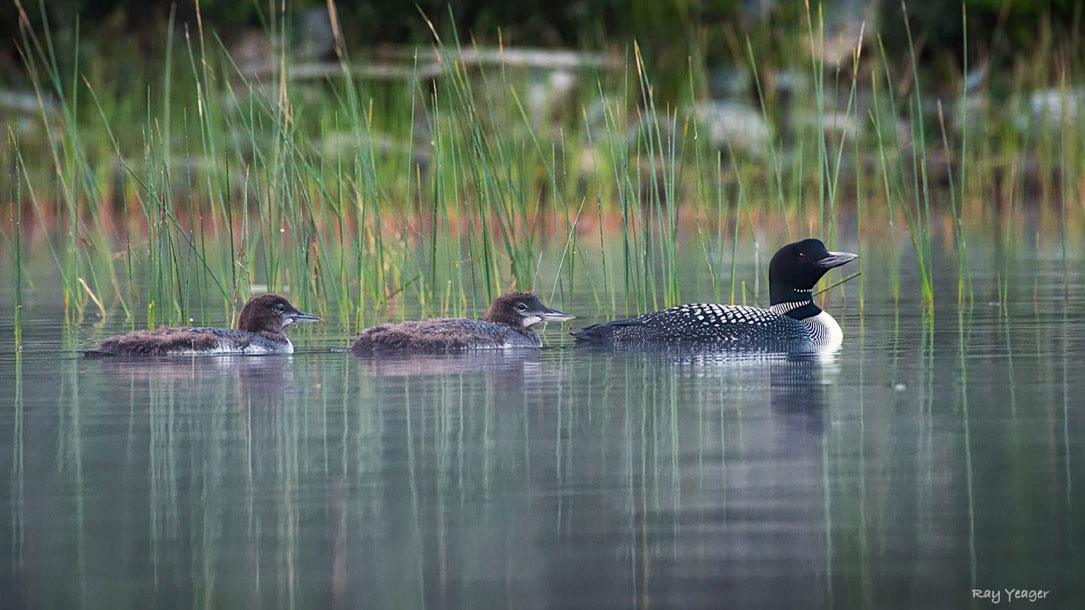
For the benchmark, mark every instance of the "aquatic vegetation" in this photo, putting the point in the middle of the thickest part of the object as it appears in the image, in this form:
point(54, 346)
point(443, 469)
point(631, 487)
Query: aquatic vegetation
point(169, 195)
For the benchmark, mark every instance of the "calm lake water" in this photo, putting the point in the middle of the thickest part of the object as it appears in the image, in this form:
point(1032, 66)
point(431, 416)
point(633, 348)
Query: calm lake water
point(921, 461)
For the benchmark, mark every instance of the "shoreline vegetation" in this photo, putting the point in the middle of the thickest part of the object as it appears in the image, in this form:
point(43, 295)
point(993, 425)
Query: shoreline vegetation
point(439, 172)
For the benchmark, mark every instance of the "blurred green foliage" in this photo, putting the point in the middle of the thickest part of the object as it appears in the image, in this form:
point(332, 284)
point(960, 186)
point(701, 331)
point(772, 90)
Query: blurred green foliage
point(667, 30)
point(1002, 26)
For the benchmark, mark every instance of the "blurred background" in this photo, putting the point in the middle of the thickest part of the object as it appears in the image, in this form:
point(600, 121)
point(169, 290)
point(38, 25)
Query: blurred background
point(746, 120)
point(999, 28)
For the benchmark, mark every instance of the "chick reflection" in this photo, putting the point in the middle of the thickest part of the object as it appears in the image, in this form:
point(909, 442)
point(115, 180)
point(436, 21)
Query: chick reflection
point(212, 436)
point(262, 379)
point(412, 365)
point(519, 373)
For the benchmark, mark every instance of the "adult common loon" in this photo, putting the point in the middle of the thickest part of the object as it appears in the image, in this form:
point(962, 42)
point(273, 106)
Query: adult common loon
point(793, 322)
point(259, 331)
point(508, 323)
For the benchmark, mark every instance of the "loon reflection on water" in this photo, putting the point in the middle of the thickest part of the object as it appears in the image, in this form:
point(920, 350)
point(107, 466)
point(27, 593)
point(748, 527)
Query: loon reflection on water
point(757, 447)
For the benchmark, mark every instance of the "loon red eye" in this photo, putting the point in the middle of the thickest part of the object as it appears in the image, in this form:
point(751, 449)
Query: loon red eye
point(802, 255)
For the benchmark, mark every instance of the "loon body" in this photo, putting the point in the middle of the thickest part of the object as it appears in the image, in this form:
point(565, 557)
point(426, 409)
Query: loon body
point(792, 323)
point(259, 331)
point(508, 323)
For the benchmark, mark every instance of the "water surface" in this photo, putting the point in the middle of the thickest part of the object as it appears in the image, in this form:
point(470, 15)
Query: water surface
point(925, 459)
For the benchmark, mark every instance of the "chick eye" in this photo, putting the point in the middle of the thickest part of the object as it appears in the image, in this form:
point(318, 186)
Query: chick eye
point(802, 255)
point(279, 307)
point(521, 307)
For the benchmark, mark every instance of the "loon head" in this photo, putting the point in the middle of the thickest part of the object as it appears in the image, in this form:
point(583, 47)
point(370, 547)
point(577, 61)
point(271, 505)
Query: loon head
point(270, 313)
point(795, 270)
point(522, 310)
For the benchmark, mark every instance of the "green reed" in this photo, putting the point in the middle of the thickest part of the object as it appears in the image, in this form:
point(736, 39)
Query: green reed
point(895, 179)
point(358, 198)
point(958, 227)
point(16, 245)
point(777, 172)
point(817, 66)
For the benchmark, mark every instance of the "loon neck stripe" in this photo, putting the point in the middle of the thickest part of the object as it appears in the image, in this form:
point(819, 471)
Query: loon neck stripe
point(783, 308)
point(797, 303)
point(799, 310)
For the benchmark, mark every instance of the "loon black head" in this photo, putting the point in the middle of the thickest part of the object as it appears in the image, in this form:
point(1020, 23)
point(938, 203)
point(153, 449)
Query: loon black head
point(795, 270)
point(270, 313)
point(522, 310)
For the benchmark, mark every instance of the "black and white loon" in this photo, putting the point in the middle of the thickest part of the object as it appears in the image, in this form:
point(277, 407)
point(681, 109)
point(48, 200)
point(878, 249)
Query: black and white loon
point(508, 323)
point(793, 322)
point(259, 331)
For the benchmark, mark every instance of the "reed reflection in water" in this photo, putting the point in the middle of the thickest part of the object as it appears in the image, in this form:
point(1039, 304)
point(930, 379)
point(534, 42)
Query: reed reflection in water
point(919, 463)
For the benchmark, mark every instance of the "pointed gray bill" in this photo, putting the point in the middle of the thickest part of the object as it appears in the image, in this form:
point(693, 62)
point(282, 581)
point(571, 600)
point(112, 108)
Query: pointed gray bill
point(836, 259)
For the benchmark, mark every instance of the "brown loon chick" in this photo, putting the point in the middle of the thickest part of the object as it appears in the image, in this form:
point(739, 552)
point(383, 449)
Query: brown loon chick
point(508, 323)
point(259, 331)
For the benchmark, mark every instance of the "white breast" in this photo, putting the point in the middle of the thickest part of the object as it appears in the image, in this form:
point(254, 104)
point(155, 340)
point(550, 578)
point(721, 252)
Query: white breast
point(825, 330)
